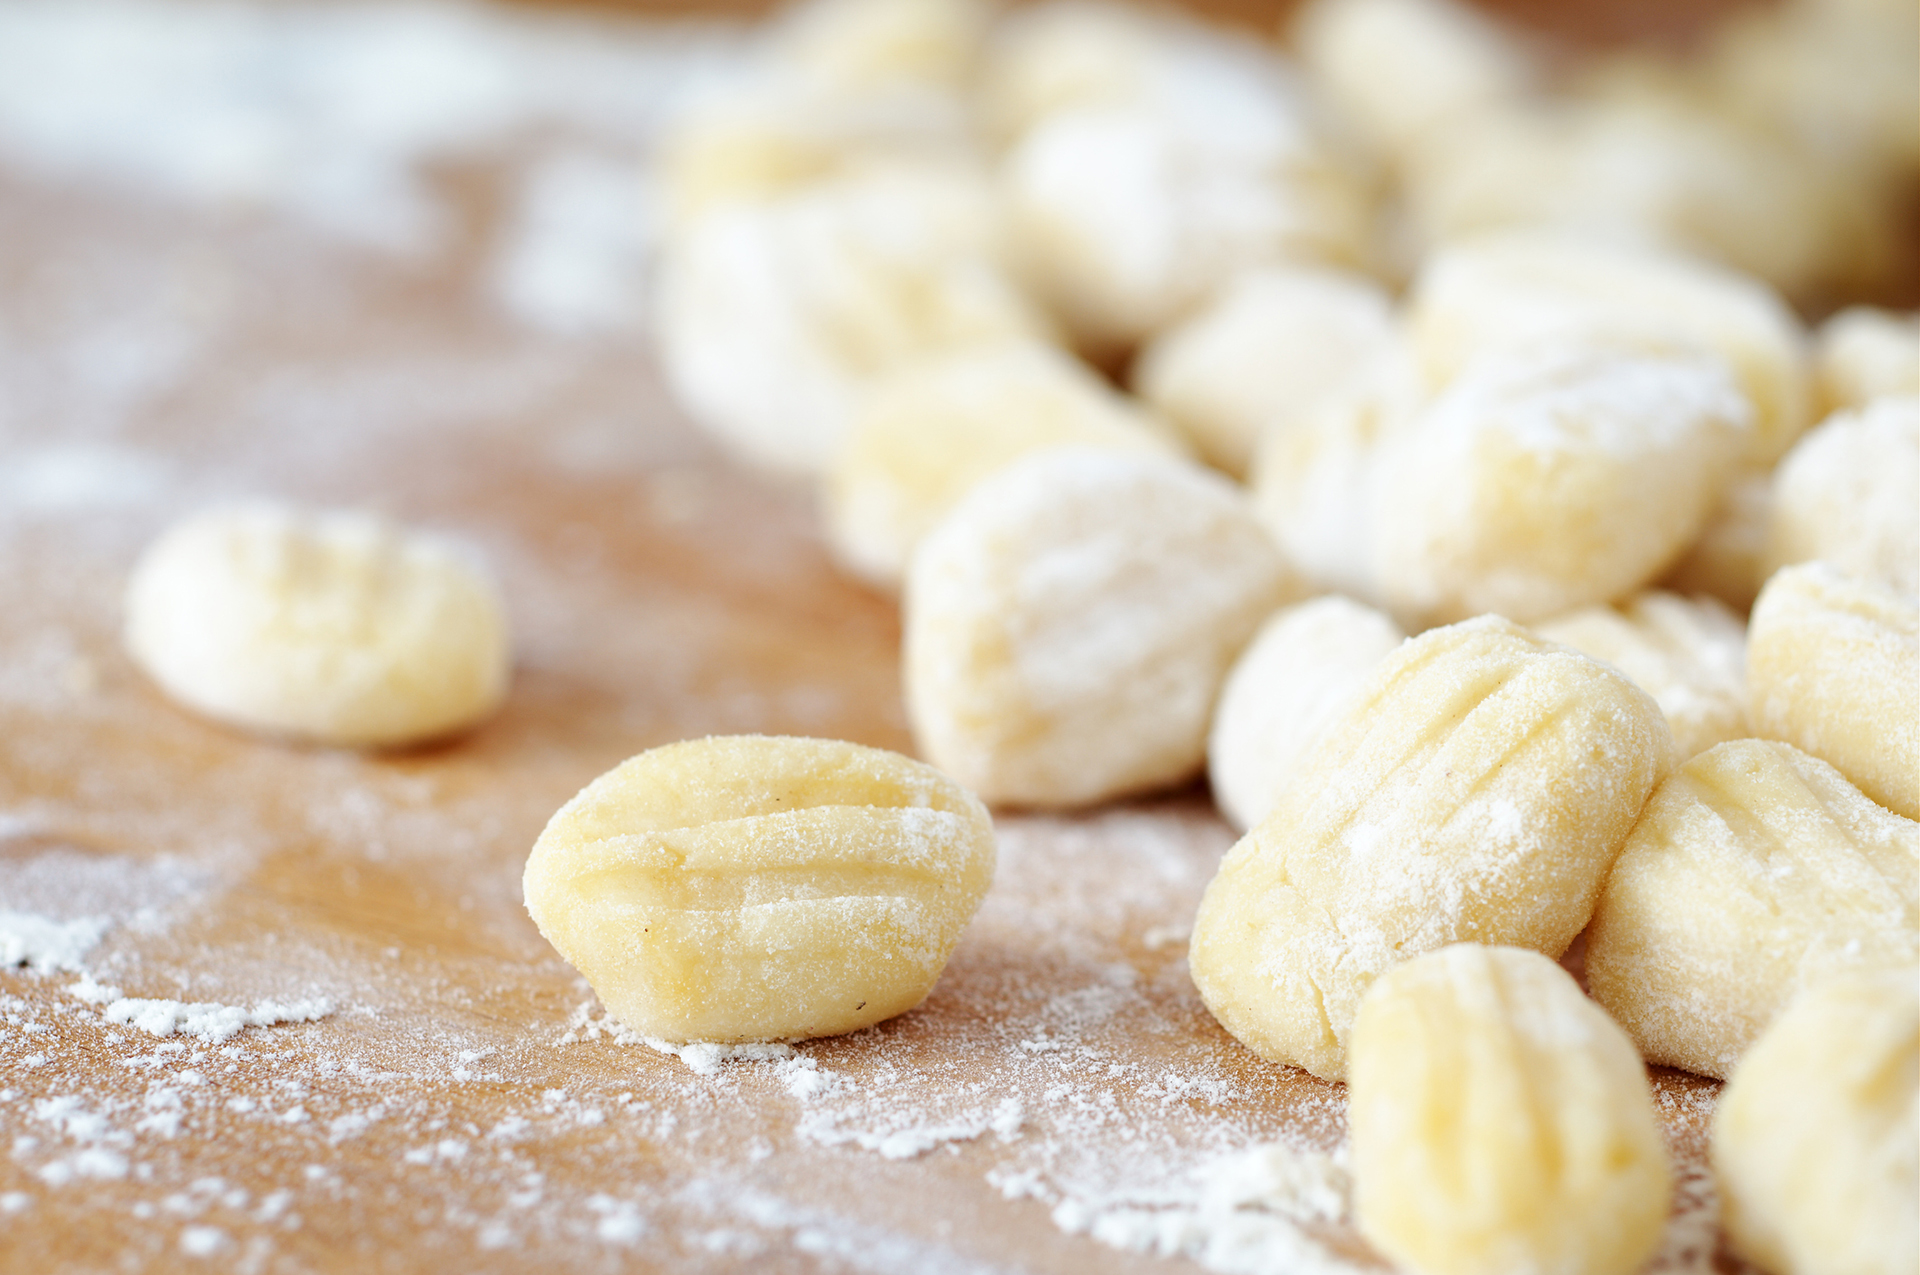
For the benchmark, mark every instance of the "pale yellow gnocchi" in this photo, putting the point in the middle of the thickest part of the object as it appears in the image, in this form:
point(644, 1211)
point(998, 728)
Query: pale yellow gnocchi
point(1287, 688)
point(923, 436)
point(1521, 286)
point(1501, 1122)
point(1754, 872)
point(332, 627)
point(1849, 494)
point(1477, 789)
point(1833, 668)
point(1863, 353)
point(761, 888)
point(1552, 476)
point(1816, 1138)
point(1267, 351)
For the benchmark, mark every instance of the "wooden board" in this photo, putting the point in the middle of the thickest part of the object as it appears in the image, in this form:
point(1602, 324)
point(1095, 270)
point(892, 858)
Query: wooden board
point(463, 1105)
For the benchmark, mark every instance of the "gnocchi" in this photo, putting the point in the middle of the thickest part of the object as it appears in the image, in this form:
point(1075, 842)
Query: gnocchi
point(1849, 494)
point(1288, 687)
point(1272, 346)
point(1069, 623)
point(1477, 789)
point(774, 315)
point(1523, 286)
point(1690, 654)
point(925, 435)
point(1833, 668)
point(337, 628)
point(1816, 1138)
point(1755, 871)
point(761, 888)
point(1552, 476)
point(1501, 1122)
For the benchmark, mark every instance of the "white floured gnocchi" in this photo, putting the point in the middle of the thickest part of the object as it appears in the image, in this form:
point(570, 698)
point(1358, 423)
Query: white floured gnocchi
point(1690, 654)
point(1755, 871)
point(1520, 287)
point(775, 315)
point(1291, 683)
point(1636, 161)
point(1125, 218)
point(1065, 54)
point(1069, 623)
point(1833, 668)
point(761, 888)
point(338, 628)
point(1849, 494)
point(1477, 790)
point(1552, 476)
point(1501, 1122)
point(1268, 350)
point(1816, 1137)
point(1058, 56)
point(923, 436)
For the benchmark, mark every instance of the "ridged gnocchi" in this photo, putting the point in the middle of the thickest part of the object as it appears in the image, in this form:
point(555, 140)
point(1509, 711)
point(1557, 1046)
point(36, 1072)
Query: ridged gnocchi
point(1501, 1122)
point(1754, 872)
point(761, 888)
point(1477, 789)
point(1552, 476)
point(1816, 1138)
point(1069, 623)
point(1833, 668)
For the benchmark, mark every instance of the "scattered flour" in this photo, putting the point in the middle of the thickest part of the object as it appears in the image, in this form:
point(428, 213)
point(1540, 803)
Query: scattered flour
point(210, 1022)
point(1006, 1119)
point(1245, 1212)
point(43, 944)
point(706, 1057)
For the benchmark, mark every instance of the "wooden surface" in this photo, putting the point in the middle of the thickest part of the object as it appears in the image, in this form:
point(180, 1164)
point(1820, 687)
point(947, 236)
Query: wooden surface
point(462, 1107)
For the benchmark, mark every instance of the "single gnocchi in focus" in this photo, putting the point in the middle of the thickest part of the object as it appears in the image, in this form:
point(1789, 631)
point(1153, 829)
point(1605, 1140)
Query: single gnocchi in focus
point(758, 888)
point(1501, 1122)
point(336, 628)
point(1477, 790)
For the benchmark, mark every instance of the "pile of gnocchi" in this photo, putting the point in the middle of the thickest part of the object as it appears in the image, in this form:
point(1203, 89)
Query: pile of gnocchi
point(1418, 436)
